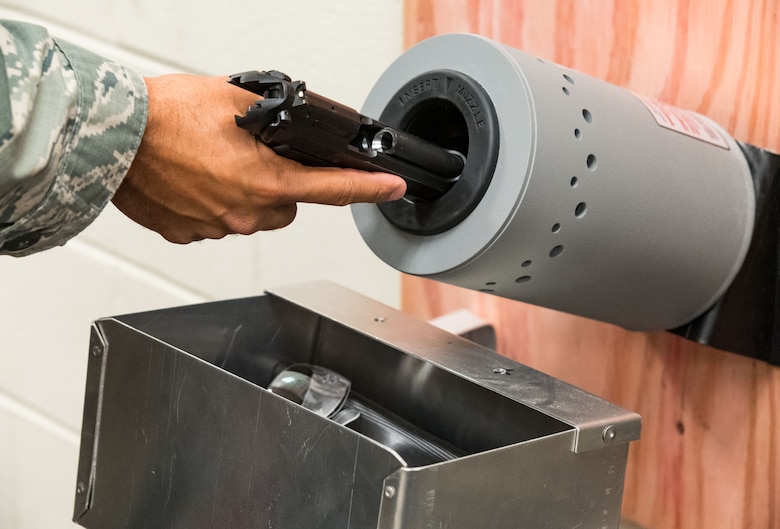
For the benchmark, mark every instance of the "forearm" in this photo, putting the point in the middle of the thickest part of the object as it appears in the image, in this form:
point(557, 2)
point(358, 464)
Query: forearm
point(70, 125)
point(71, 129)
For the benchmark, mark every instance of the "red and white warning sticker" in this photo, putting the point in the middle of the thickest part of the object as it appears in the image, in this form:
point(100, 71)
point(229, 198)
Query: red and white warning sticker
point(684, 122)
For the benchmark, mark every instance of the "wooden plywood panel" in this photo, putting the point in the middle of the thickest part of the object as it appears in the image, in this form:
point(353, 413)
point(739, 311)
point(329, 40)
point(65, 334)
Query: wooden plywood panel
point(709, 456)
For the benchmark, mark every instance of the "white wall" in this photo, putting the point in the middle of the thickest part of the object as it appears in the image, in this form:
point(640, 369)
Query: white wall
point(47, 301)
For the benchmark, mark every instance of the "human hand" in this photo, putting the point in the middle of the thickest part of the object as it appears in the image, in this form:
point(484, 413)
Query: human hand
point(198, 176)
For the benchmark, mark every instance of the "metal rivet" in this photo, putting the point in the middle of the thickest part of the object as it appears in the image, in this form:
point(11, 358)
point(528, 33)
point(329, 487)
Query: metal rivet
point(80, 488)
point(502, 371)
point(389, 491)
point(97, 350)
point(609, 434)
point(380, 319)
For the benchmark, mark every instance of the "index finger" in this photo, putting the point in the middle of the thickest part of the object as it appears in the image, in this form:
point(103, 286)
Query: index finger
point(339, 187)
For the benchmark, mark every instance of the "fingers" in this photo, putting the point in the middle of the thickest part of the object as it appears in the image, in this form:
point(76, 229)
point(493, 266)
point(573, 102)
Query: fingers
point(339, 187)
point(263, 220)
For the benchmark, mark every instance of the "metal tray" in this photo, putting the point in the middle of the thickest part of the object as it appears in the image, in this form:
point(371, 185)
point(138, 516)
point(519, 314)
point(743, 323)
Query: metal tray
point(180, 431)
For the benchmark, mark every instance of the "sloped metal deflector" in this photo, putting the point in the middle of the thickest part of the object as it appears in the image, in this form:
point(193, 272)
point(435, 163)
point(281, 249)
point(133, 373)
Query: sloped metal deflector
point(180, 432)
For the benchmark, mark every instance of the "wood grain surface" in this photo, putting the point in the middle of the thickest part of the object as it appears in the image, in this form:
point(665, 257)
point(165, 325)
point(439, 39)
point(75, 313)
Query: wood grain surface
point(709, 456)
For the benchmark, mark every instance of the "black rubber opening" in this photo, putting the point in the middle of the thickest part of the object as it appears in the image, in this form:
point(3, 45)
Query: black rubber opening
point(453, 111)
point(440, 122)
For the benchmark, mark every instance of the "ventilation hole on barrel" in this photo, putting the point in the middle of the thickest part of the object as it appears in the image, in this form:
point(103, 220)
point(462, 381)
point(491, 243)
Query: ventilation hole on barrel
point(592, 162)
point(574, 182)
point(577, 133)
point(556, 227)
point(565, 90)
point(568, 78)
point(523, 279)
point(580, 210)
point(587, 115)
point(490, 283)
point(526, 264)
point(556, 251)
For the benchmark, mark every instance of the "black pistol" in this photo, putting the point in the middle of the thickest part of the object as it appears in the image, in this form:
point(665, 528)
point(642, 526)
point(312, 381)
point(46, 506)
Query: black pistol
point(316, 131)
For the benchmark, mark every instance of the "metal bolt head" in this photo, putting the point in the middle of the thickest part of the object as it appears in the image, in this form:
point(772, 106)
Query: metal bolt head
point(80, 488)
point(609, 434)
point(389, 492)
point(97, 350)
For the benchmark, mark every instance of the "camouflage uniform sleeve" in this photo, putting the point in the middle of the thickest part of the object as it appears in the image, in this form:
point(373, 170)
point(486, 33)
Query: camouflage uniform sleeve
point(70, 125)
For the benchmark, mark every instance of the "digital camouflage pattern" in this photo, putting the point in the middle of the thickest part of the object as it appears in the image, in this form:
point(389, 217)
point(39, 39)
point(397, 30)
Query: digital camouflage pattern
point(70, 124)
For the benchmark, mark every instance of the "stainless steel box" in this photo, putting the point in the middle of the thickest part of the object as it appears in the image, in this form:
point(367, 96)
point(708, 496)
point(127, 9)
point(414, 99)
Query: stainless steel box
point(180, 431)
